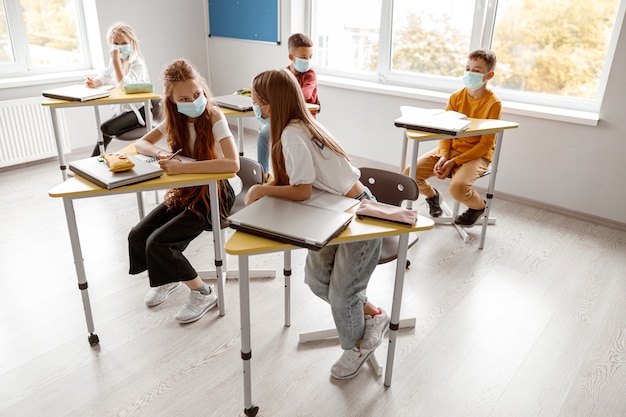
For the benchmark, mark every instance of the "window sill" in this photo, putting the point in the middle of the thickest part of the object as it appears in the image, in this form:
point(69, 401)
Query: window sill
point(522, 109)
point(27, 81)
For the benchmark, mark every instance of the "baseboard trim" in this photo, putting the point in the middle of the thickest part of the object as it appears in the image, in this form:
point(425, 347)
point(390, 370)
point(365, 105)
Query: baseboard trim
point(578, 215)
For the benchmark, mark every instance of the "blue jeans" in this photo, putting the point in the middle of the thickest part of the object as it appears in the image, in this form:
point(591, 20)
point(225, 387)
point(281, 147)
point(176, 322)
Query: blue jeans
point(339, 275)
point(262, 147)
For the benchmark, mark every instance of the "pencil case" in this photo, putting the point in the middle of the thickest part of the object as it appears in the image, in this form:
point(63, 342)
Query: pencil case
point(138, 88)
point(386, 212)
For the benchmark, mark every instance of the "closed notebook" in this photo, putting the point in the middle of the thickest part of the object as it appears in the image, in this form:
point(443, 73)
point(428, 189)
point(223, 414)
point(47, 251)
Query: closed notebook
point(234, 102)
point(290, 222)
point(96, 170)
point(77, 93)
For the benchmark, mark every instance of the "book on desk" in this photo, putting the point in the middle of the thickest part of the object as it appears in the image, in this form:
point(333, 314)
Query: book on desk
point(432, 120)
point(96, 170)
point(78, 92)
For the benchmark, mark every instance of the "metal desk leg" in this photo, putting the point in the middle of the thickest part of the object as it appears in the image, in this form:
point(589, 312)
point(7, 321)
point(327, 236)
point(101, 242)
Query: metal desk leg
point(394, 323)
point(287, 274)
point(98, 130)
point(217, 245)
point(246, 350)
point(240, 135)
point(492, 185)
point(57, 140)
point(140, 206)
point(70, 216)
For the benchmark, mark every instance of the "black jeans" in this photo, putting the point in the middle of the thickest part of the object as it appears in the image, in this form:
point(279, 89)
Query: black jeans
point(117, 125)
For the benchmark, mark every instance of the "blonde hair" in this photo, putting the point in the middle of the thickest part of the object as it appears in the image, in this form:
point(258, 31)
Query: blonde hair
point(129, 32)
point(204, 146)
point(280, 89)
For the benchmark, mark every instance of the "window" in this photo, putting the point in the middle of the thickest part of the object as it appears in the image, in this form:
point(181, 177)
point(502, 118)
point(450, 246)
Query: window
point(549, 52)
point(41, 36)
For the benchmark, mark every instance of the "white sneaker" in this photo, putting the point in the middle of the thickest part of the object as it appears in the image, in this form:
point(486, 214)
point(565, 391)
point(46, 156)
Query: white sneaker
point(350, 363)
point(156, 295)
point(375, 327)
point(197, 306)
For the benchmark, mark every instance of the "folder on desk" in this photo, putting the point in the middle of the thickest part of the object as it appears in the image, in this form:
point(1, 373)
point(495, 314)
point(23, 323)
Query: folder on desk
point(290, 222)
point(96, 170)
point(77, 93)
point(434, 124)
point(234, 102)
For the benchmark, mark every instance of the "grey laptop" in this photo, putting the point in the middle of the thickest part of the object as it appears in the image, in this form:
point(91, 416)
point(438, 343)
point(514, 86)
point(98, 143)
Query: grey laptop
point(290, 222)
point(234, 102)
point(77, 93)
point(96, 170)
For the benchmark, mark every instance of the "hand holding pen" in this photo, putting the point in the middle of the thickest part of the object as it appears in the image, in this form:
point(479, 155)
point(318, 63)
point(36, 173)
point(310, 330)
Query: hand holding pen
point(171, 166)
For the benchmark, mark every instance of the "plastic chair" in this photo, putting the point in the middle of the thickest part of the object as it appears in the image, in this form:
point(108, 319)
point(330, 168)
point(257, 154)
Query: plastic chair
point(391, 188)
point(155, 108)
point(449, 215)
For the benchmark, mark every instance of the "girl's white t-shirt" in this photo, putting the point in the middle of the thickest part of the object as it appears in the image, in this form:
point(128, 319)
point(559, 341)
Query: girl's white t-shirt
point(220, 131)
point(308, 161)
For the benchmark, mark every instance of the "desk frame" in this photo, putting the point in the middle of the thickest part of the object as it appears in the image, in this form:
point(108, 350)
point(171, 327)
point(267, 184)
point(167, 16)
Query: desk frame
point(117, 97)
point(77, 187)
point(257, 245)
point(478, 127)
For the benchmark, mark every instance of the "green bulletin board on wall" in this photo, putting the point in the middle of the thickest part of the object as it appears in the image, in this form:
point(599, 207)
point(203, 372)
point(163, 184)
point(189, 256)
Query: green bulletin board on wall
point(255, 20)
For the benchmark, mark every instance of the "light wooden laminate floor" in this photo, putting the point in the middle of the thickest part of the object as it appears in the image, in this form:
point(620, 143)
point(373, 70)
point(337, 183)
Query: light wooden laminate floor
point(533, 325)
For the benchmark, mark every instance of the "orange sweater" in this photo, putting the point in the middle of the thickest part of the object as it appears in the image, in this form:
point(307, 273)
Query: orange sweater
point(472, 147)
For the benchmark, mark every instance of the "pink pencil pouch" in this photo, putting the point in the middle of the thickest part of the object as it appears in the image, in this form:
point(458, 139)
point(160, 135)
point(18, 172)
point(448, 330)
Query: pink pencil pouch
point(386, 212)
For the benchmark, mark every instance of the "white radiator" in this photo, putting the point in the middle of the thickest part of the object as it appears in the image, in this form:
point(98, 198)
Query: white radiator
point(26, 132)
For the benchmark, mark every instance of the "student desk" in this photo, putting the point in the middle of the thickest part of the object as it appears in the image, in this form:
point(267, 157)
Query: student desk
point(478, 127)
point(241, 114)
point(78, 187)
point(245, 245)
point(117, 96)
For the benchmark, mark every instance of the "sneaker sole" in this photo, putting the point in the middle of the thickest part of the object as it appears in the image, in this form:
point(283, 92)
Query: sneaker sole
point(199, 316)
point(356, 371)
point(171, 290)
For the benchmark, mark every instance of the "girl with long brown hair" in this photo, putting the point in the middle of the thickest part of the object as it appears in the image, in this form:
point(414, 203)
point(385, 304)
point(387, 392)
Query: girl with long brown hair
point(306, 156)
point(197, 128)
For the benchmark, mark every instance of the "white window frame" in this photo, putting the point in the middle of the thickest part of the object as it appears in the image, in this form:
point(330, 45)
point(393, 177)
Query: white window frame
point(14, 74)
point(423, 86)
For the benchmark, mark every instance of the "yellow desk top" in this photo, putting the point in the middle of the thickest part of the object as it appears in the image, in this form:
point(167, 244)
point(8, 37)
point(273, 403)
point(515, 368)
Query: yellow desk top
point(78, 186)
point(241, 243)
point(117, 96)
point(236, 113)
point(478, 127)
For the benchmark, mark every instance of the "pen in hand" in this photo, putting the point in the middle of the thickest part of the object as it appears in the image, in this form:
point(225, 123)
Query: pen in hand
point(175, 153)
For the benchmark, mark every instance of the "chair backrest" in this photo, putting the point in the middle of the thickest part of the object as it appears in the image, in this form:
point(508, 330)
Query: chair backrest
point(389, 187)
point(250, 173)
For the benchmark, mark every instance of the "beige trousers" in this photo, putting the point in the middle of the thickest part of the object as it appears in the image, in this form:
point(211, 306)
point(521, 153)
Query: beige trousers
point(463, 177)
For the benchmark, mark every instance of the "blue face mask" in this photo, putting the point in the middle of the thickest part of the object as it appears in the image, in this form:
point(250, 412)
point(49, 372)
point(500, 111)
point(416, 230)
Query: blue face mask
point(302, 65)
point(473, 80)
point(124, 49)
point(193, 109)
point(259, 115)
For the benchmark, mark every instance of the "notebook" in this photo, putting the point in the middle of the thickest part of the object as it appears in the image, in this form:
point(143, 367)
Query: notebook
point(433, 123)
point(234, 102)
point(77, 93)
point(96, 170)
point(290, 222)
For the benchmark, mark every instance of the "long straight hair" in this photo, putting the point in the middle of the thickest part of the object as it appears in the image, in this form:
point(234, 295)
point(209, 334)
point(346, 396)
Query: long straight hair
point(178, 134)
point(280, 89)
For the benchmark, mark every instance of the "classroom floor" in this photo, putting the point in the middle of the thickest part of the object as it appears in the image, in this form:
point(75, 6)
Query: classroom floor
point(533, 325)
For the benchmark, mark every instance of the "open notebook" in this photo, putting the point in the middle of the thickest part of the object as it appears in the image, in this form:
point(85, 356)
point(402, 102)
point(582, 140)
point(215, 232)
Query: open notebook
point(291, 222)
point(432, 120)
point(96, 170)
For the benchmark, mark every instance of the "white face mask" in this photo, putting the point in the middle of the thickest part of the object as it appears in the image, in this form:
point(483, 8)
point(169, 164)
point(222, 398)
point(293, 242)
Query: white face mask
point(473, 80)
point(193, 109)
